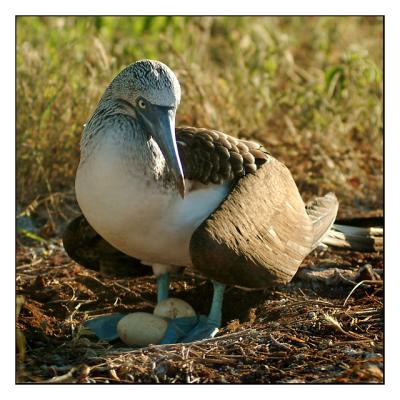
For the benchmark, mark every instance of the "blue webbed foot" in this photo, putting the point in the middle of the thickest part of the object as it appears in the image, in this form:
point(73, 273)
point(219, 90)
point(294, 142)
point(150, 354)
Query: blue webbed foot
point(204, 329)
point(178, 328)
point(189, 329)
point(105, 327)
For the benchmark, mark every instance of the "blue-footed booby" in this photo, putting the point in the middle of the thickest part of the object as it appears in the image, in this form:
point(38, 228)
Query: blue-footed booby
point(190, 197)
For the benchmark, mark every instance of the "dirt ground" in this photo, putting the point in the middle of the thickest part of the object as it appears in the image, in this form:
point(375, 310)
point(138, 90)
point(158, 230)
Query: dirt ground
point(316, 329)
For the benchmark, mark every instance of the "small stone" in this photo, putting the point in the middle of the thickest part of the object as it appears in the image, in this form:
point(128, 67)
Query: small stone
point(312, 315)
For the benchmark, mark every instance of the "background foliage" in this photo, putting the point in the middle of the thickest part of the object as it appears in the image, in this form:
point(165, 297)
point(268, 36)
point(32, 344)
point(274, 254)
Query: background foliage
point(308, 88)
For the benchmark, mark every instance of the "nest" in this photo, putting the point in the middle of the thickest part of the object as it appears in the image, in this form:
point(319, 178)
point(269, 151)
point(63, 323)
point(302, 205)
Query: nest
point(325, 326)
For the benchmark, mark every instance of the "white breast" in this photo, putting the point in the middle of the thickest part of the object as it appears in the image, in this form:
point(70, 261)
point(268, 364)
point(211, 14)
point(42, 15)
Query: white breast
point(131, 212)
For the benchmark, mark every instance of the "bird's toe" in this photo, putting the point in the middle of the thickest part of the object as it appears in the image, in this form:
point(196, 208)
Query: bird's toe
point(179, 328)
point(189, 329)
point(104, 327)
point(204, 329)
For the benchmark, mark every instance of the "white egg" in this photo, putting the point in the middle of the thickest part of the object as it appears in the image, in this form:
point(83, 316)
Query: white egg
point(141, 329)
point(173, 308)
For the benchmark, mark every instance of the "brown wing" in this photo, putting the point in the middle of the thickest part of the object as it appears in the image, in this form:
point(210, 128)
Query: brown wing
point(85, 246)
point(259, 235)
point(209, 156)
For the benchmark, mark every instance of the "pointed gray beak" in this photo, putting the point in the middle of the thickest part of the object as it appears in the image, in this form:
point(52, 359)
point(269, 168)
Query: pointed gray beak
point(160, 123)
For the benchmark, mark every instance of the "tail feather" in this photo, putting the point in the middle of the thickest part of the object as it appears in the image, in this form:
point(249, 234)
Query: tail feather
point(355, 238)
point(322, 211)
point(358, 234)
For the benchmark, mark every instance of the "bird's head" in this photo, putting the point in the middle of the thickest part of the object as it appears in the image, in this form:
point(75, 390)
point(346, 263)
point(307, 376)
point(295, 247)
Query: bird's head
point(153, 90)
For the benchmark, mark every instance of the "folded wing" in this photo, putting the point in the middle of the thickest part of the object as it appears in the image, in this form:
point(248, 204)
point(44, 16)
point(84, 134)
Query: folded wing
point(262, 231)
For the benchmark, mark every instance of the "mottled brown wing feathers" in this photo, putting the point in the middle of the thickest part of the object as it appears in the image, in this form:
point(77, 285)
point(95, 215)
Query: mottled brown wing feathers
point(209, 156)
point(259, 235)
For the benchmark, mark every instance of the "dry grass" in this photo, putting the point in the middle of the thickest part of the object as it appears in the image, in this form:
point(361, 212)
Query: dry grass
point(309, 88)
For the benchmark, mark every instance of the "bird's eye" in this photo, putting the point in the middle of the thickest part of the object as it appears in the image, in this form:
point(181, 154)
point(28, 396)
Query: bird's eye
point(141, 103)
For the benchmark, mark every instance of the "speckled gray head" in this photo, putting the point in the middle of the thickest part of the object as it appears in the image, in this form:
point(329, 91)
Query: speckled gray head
point(151, 93)
point(152, 80)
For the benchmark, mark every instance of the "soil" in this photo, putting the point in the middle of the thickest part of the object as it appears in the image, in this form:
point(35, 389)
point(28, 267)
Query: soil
point(320, 328)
